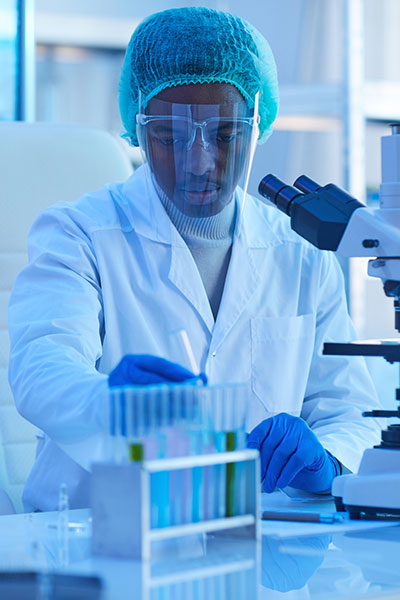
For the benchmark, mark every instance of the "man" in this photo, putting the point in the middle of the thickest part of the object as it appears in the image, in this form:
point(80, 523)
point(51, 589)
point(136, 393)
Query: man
point(180, 245)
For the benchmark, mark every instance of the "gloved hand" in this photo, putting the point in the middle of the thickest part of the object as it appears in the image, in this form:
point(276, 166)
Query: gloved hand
point(292, 455)
point(144, 369)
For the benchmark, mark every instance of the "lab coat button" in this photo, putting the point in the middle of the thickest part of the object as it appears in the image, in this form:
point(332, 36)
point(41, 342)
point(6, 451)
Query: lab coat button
point(213, 354)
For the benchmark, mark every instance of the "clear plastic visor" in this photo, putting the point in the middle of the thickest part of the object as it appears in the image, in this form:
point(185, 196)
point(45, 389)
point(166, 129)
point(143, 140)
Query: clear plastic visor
point(198, 154)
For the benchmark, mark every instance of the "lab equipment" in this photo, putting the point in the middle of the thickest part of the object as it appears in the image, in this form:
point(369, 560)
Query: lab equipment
point(63, 527)
point(220, 477)
point(230, 476)
point(291, 454)
point(121, 521)
point(177, 465)
point(173, 419)
point(136, 452)
point(302, 516)
point(197, 45)
point(331, 219)
point(143, 369)
point(184, 338)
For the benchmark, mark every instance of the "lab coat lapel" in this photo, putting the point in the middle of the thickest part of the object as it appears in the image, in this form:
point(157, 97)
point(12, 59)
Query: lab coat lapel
point(149, 218)
point(253, 237)
point(184, 274)
point(242, 280)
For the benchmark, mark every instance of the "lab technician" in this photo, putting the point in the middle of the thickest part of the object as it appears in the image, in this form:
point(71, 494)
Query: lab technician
point(179, 245)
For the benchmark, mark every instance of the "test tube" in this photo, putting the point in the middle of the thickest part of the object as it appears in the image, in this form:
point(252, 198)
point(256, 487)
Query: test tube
point(129, 401)
point(198, 481)
point(241, 469)
point(111, 450)
point(136, 452)
point(187, 495)
point(208, 473)
point(230, 476)
point(178, 445)
point(160, 485)
point(220, 477)
point(113, 430)
point(62, 526)
point(220, 587)
point(122, 413)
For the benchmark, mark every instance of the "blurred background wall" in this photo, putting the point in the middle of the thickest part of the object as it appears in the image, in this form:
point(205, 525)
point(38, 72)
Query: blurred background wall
point(340, 88)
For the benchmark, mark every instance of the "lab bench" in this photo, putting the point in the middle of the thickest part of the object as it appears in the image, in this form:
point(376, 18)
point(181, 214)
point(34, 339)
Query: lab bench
point(351, 559)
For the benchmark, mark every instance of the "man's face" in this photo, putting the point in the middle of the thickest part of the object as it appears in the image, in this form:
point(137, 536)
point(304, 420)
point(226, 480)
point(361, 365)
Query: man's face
point(199, 151)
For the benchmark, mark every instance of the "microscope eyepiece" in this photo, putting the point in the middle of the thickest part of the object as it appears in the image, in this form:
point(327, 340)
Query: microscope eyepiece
point(319, 214)
point(306, 184)
point(278, 192)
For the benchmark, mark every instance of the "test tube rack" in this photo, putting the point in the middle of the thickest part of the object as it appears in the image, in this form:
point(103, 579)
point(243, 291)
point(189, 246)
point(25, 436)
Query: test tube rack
point(121, 503)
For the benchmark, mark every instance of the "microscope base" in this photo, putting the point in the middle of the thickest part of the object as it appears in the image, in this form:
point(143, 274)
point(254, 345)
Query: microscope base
point(375, 490)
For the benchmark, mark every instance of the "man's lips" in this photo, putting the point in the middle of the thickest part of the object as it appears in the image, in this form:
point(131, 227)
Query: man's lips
point(199, 189)
point(199, 197)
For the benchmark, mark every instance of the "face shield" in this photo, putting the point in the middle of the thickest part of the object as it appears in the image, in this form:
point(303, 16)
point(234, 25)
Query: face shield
point(198, 154)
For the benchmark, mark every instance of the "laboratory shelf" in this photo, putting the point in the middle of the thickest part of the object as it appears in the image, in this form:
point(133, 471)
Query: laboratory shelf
point(346, 107)
point(379, 100)
point(314, 99)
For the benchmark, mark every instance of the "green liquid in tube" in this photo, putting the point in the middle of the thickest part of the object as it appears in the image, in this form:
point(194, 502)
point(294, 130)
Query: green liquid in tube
point(136, 452)
point(230, 476)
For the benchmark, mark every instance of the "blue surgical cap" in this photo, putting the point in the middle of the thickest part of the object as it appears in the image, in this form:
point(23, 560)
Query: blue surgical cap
point(197, 45)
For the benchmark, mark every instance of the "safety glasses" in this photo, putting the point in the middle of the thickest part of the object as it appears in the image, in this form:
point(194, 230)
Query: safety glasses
point(217, 132)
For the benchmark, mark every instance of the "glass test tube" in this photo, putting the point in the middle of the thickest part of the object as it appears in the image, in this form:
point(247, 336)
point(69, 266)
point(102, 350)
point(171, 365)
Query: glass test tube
point(230, 476)
point(209, 484)
point(62, 526)
point(226, 416)
point(215, 423)
point(161, 480)
point(241, 469)
point(197, 481)
point(178, 445)
point(114, 422)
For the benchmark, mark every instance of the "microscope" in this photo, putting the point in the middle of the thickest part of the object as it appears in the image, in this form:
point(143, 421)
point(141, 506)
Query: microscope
point(331, 219)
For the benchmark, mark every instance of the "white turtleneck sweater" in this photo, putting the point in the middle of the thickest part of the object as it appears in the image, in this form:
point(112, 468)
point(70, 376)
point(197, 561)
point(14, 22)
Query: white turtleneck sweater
point(209, 239)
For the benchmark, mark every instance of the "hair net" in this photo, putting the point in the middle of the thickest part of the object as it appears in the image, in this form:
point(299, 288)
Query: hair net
point(197, 45)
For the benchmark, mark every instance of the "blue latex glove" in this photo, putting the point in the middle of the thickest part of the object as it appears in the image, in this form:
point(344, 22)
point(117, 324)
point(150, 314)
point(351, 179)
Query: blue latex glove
point(144, 369)
point(292, 455)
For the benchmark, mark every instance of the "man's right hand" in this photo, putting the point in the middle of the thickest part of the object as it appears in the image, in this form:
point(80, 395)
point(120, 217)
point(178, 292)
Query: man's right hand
point(144, 369)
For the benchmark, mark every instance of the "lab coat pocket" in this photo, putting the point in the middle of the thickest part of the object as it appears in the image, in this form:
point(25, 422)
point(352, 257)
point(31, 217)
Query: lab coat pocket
point(281, 353)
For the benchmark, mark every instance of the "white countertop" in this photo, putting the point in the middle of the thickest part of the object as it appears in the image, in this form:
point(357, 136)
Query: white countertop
point(294, 560)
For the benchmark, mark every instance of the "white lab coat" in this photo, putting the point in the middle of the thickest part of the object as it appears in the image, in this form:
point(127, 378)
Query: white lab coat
point(110, 275)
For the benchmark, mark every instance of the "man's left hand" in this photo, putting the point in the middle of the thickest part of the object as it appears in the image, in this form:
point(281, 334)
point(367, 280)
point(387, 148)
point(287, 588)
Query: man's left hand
point(292, 455)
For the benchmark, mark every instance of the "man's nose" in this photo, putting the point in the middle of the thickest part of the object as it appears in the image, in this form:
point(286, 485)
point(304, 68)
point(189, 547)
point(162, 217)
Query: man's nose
point(200, 160)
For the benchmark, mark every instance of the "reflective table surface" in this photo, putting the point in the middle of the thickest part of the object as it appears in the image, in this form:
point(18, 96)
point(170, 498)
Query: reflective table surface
point(353, 559)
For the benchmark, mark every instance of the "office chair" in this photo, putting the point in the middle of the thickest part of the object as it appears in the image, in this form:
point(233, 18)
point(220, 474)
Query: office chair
point(40, 164)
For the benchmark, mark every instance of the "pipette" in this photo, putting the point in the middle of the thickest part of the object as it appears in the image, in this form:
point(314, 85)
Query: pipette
point(182, 333)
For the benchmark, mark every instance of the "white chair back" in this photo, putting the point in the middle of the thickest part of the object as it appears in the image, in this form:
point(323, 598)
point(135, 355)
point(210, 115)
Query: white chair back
point(40, 164)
